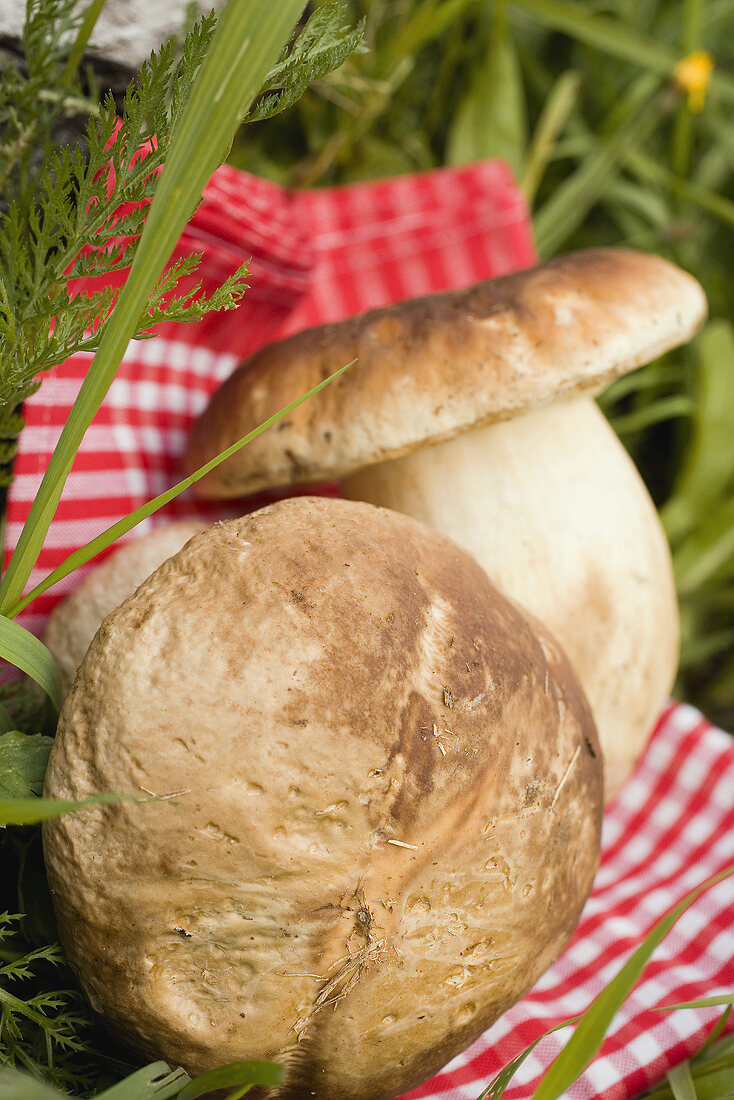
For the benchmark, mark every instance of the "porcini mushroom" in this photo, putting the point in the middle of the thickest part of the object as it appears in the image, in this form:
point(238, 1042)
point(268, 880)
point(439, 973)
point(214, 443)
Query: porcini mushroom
point(380, 802)
point(74, 622)
point(471, 411)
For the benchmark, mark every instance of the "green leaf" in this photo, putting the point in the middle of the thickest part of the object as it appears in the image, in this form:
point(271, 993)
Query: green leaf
point(716, 1086)
point(23, 760)
point(26, 652)
point(589, 1035)
point(708, 462)
point(706, 550)
point(240, 1074)
point(6, 722)
point(701, 647)
point(491, 120)
point(31, 811)
point(101, 542)
point(156, 1080)
point(246, 44)
point(15, 1085)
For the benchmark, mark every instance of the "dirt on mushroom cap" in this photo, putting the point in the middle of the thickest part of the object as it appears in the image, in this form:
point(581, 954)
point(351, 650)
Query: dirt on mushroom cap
point(382, 802)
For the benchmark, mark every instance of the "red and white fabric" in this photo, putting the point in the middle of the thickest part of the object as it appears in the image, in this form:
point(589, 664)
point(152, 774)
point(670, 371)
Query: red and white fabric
point(320, 256)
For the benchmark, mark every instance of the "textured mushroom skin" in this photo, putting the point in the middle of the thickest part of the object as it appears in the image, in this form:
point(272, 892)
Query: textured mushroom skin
point(74, 622)
point(385, 813)
point(552, 507)
point(431, 368)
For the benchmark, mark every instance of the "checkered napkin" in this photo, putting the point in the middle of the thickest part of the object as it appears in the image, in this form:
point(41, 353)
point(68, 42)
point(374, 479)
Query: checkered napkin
point(324, 255)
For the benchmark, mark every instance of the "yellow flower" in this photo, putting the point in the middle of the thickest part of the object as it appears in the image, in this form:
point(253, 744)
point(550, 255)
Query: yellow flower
point(692, 75)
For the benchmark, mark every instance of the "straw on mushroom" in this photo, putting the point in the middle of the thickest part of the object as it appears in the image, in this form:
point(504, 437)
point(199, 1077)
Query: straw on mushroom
point(472, 411)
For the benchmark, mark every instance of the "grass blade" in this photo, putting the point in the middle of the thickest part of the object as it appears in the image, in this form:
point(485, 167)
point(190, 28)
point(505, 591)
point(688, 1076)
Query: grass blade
point(716, 1086)
point(157, 1081)
point(714, 1034)
point(649, 171)
point(30, 655)
point(653, 376)
point(708, 464)
point(681, 1082)
point(244, 48)
point(664, 408)
point(612, 36)
point(242, 1074)
point(84, 33)
point(491, 120)
point(589, 1035)
point(682, 140)
point(31, 811)
point(428, 23)
point(566, 210)
point(708, 548)
point(503, 1078)
point(101, 542)
point(551, 124)
point(701, 1002)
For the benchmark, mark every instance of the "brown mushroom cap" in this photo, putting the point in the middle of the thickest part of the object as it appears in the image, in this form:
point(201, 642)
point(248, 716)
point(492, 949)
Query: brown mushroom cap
point(430, 368)
point(384, 802)
point(74, 622)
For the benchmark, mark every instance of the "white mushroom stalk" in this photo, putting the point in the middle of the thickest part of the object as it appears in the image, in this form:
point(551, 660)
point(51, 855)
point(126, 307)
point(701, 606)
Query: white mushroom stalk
point(552, 508)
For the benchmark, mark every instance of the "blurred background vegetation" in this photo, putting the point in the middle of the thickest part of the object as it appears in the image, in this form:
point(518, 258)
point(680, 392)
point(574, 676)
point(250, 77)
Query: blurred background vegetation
point(617, 118)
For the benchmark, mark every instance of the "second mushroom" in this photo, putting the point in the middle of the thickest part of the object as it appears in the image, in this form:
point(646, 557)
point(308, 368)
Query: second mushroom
point(473, 411)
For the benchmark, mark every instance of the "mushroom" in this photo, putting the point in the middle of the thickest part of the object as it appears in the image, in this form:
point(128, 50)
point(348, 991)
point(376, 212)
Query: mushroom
point(472, 411)
point(378, 802)
point(74, 622)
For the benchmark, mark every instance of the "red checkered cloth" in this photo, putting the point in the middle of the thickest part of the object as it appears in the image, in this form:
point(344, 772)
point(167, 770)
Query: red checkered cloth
point(324, 255)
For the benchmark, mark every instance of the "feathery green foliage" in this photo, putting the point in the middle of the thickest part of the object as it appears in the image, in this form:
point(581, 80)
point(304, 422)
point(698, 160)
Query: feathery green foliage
point(77, 213)
point(326, 40)
point(44, 1020)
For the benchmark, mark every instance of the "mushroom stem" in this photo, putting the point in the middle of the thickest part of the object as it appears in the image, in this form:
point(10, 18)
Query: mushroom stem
point(553, 509)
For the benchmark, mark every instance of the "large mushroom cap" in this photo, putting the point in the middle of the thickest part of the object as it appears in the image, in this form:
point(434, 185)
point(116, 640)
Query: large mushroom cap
point(74, 621)
point(383, 802)
point(430, 368)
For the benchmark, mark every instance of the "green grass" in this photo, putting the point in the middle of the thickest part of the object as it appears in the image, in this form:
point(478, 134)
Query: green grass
point(579, 97)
